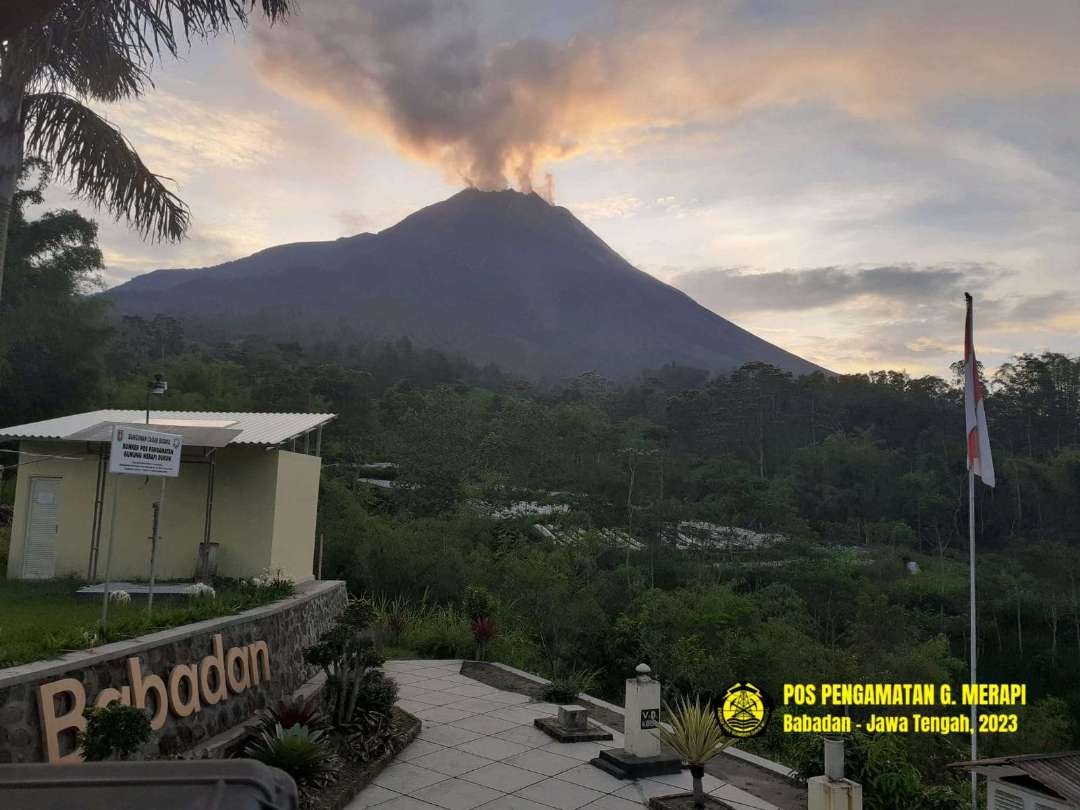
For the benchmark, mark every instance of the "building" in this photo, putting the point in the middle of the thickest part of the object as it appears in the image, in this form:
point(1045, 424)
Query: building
point(1029, 781)
point(248, 482)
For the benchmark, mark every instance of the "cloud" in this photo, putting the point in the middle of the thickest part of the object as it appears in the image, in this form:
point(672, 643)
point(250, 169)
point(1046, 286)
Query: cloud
point(617, 206)
point(172, 132)
point(891, 315)
point(492, 106)
point(741, 290)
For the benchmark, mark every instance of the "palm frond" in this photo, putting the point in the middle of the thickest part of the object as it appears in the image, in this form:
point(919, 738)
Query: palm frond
point(156, 26)
point(101, 165)
point(105, 48)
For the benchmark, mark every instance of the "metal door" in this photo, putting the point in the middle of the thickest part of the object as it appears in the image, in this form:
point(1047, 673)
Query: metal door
point(42, 527)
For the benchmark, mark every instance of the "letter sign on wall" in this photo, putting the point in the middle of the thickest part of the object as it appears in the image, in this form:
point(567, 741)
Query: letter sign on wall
point(61, 703)
point(145, 452)
point(650, 718)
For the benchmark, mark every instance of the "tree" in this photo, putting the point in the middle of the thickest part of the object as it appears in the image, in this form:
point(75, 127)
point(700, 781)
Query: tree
point(99, 50)
point(54, 332)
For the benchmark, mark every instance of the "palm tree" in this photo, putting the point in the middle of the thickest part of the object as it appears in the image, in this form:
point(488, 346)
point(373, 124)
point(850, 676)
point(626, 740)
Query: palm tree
point(696, 737)
point(98, 50)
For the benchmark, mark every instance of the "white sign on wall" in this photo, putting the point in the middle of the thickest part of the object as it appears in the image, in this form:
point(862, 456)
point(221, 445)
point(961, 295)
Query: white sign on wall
point(145, 452)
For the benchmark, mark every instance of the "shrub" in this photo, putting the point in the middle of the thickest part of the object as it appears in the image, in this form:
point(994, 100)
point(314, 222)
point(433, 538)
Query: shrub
point(443, 633)
point(393, 617)
point(299, 751)
point(348, 658)
point(294, 711)
point(696, 737)
point(378, 691)
point(478, 603)
point(371, 734)
point(115, 731)
point(565, 689)
point(483, 631)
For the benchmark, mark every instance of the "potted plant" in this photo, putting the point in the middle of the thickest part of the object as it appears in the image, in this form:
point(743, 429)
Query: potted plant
point(696, 737)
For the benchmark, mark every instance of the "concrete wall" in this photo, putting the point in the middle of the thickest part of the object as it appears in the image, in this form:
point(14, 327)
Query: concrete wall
point(265, 505)
point(293, 549)
point(244, 492)
point(287, 627)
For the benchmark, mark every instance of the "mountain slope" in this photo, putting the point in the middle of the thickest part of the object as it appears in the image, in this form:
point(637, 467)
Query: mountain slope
point(500, 277)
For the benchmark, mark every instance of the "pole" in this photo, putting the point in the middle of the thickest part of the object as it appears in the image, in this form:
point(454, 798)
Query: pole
point(971, 566)
point(158, 506)
point(108, 555)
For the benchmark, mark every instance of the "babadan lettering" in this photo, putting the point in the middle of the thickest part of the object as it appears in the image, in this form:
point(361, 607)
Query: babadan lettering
point(190, 687)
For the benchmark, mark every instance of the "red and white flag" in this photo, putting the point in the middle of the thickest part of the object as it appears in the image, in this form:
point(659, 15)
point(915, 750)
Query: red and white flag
point(978, 437)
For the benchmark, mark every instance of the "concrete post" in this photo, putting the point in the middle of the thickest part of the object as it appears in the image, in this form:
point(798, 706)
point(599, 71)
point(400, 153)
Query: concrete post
point(832, 791)
point(642, 714)
point(822, 793)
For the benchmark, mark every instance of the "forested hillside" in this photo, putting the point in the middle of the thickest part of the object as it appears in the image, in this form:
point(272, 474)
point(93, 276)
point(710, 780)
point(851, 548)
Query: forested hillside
point(859, 475)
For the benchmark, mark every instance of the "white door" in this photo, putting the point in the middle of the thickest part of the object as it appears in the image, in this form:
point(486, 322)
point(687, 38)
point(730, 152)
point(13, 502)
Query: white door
point(39, 550)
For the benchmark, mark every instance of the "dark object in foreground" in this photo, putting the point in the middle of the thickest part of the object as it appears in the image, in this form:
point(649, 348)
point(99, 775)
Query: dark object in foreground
point(623, 765)
point(684, 801)
point(209, 784)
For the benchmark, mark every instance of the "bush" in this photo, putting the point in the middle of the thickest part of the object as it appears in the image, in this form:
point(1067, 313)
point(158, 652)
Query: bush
point(294, 711)
point(115, 731)
point(478, 603)
point(393, 617)
point(372, 734)
point(299, 751)
point(351, 664)
point(565, 689)
point(377, 693)
point(443, 633)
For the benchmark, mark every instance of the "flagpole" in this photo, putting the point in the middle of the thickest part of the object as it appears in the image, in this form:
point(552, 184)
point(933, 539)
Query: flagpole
point(971, 566)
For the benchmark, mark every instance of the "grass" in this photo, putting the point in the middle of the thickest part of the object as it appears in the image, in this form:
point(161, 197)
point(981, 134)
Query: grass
point(45, 619)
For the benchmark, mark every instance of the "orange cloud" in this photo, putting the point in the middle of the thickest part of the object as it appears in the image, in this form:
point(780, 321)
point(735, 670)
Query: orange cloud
point(493, 112)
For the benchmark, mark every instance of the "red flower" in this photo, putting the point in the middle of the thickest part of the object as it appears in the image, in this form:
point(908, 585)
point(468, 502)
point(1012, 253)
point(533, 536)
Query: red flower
point(483, 630)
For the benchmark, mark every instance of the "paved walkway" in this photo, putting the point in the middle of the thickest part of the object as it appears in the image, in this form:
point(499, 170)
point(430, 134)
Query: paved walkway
point(478, 748)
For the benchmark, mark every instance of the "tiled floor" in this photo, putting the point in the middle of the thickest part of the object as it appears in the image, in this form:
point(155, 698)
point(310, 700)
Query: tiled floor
point(478, 748)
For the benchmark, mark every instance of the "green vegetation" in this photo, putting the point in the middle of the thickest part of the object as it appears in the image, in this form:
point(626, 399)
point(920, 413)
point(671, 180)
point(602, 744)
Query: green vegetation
point(115, 731)
point(696, 737)
point(835, 485)
point(46, 619)
point(302, 752)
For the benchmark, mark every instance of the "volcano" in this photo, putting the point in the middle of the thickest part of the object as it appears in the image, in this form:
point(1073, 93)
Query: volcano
point(499, 277)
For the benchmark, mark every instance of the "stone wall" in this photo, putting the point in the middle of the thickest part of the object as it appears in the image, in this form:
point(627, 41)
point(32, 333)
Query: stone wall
point(287, 627)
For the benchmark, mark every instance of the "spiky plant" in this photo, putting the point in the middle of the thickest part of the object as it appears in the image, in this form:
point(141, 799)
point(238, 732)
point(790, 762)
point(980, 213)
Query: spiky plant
point(696, 737)
point(72, 52)
point(299, 751)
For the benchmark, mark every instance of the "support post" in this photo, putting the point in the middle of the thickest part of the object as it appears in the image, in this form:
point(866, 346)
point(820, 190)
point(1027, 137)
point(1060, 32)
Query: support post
point(95, 521)
point(973, 635)
point(209, 520)
point(108, 554)
point(158, 506)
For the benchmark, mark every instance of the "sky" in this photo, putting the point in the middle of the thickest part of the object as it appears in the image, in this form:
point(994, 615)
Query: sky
point(831, 175)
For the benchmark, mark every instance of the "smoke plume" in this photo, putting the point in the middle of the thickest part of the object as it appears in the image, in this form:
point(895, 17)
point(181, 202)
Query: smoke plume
point(417, 70)
point(495, 109)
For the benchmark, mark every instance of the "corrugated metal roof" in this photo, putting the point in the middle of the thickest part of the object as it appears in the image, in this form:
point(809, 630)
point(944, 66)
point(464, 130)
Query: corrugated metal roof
point(193, 435)
point(265, 429)
point(1059, 773)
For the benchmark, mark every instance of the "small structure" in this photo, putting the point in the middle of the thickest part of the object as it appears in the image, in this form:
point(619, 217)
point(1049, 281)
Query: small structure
point(572, 725)
point(642, 754)
point(246, 496)
point(1029, 781)
point(833, 791)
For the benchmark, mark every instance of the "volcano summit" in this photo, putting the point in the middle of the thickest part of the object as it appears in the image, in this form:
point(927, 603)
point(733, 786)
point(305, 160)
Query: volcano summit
point(500, 277)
